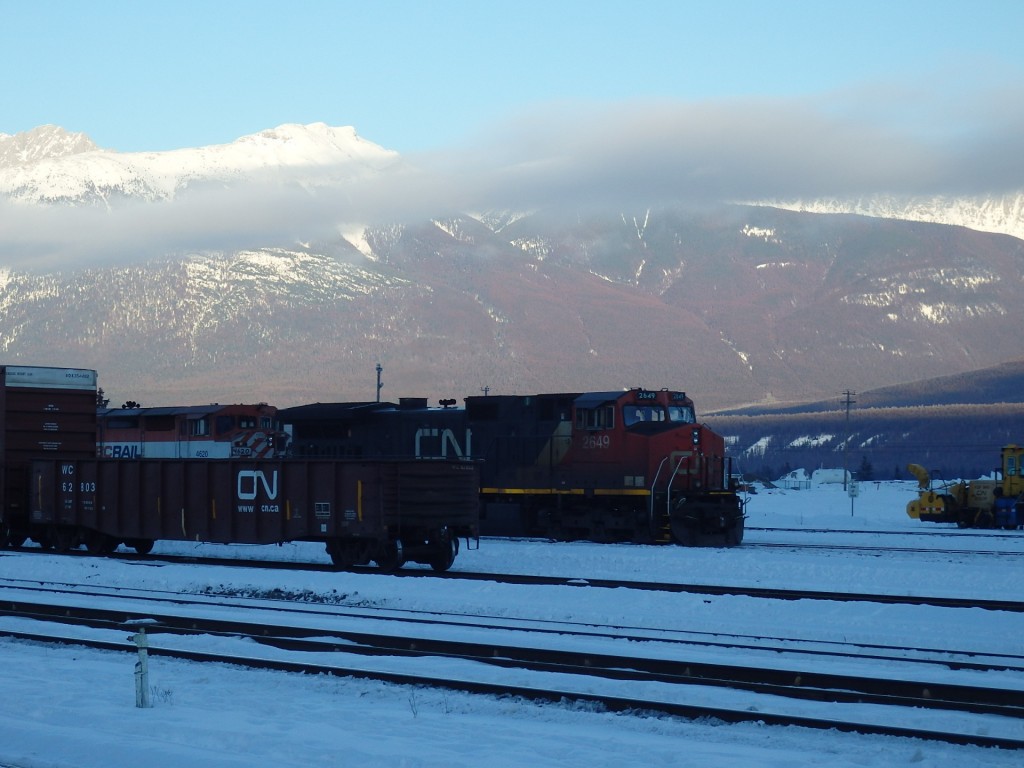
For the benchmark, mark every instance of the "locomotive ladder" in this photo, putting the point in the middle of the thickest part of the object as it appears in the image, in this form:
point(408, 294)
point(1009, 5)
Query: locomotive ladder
point(663, 532)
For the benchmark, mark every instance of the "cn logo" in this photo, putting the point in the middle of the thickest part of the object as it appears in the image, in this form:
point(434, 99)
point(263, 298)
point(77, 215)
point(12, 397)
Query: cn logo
point(250, 480)
point(429, 446)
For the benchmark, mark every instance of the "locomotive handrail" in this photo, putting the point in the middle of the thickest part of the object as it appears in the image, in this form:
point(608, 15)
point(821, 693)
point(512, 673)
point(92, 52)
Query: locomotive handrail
point(668, 487)
point(654, 483)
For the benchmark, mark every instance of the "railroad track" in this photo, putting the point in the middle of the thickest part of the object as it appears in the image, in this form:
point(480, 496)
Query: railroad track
point(738, 590)
point(310, 608)
point(876, 550)
point(654, 684)
point(959, 533)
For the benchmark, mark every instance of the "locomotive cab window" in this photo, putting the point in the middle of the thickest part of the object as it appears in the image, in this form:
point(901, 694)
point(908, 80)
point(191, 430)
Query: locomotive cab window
point(595, 418)
point(123, 422)
point(198, 428)
point(681, 413)
point(159, 423)
point(224, 424)
point(636, 414)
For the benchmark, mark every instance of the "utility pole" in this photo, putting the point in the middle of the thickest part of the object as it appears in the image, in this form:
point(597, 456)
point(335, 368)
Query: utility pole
point(848, 400)
point(485, 390)
point(379, 383)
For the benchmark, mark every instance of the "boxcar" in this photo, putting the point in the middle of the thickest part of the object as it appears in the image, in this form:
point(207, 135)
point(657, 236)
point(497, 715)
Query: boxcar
point(43, 412)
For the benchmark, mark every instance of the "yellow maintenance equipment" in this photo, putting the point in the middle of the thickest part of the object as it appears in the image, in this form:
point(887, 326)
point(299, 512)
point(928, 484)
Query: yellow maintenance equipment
point(984, 503)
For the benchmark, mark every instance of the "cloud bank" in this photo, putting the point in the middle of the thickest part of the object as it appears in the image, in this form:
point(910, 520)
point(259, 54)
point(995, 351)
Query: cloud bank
point(580, 157)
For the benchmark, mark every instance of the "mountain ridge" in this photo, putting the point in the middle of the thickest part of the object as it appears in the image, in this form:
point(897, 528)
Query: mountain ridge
point(734, 303)
point(57, 167)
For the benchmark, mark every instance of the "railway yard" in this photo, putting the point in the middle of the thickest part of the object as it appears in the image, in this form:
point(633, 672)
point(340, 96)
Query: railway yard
point(838, 632)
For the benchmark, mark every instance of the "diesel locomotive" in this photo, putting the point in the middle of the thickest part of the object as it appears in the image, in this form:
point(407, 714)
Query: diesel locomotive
point(632, 465)
point(237, 431)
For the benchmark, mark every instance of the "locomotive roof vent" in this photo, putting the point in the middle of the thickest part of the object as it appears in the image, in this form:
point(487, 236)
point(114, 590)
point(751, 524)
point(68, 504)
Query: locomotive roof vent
point(411, 403)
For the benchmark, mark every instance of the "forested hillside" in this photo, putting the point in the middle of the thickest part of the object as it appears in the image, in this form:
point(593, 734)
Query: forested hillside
point(953, 425)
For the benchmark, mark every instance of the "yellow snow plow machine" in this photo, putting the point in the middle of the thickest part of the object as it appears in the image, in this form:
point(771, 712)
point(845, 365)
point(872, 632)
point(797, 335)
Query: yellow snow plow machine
point(987, 503)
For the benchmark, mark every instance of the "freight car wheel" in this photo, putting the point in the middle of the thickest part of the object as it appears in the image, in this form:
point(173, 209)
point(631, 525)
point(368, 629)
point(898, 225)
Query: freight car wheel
point(12, 537)
point(142, 546)
point(443, 560)
point(391, 556)
point(62, 537)
point(99, 543)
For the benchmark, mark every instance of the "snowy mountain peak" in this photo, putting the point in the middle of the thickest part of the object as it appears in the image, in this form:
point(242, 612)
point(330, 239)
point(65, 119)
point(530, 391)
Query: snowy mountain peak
point(52, 166)
point(41, 143)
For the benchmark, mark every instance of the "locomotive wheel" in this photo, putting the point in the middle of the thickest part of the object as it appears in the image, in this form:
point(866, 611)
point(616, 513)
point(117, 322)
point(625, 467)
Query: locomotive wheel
point(734, 535)
point(391, 556)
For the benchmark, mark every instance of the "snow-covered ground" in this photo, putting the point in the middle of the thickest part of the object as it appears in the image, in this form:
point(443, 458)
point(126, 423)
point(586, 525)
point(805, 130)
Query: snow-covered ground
point(68, 706)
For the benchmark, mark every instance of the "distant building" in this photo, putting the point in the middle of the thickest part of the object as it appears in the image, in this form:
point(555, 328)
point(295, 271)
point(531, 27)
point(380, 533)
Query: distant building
point(830, 477)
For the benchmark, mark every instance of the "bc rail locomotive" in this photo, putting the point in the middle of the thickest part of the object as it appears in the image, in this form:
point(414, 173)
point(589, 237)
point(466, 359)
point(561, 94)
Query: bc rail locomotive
point(629, 465)
point(56, 491)
point(238, 431)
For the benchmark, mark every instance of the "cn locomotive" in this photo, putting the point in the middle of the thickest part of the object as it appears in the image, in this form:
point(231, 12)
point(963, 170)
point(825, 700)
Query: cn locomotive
point(630, 465)
point(56, 491)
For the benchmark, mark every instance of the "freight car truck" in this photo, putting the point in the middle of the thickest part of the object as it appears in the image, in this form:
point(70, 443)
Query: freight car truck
point(988, 503)
point(43, 412)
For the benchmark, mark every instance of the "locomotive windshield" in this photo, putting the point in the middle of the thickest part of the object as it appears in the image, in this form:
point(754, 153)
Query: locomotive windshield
point(636, 414)
point(681, 413)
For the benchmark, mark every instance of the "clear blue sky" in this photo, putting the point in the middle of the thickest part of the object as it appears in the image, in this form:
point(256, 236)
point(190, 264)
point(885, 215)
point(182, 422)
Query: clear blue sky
point(424, 75)
point(517, 105)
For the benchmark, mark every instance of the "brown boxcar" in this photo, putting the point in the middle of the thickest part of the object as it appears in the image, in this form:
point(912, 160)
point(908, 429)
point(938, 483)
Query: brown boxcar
point(43, 412)
point(384, 511)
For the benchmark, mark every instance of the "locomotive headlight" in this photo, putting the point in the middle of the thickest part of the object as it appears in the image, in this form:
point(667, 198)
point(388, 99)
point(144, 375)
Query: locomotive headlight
point(696, 437)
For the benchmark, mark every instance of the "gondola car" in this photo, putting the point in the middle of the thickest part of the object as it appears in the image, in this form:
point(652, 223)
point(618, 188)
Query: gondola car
point(630, 465)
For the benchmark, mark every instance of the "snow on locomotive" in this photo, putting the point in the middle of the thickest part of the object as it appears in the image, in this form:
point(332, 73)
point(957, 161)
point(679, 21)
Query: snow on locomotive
point(628, 465)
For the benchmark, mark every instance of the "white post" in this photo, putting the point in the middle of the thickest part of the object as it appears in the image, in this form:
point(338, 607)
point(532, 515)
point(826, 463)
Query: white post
point(142, 699)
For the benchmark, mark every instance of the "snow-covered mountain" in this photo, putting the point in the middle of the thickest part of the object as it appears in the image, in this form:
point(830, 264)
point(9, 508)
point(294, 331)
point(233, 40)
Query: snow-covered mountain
point(50, 165)
point(1003, 214)
point(735, 304)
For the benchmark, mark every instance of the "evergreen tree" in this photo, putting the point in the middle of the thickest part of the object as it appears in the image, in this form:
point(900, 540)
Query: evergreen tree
point(865, 471)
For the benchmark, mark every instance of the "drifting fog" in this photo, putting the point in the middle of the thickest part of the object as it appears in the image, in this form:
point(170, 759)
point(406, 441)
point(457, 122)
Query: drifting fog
point(579, 157)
